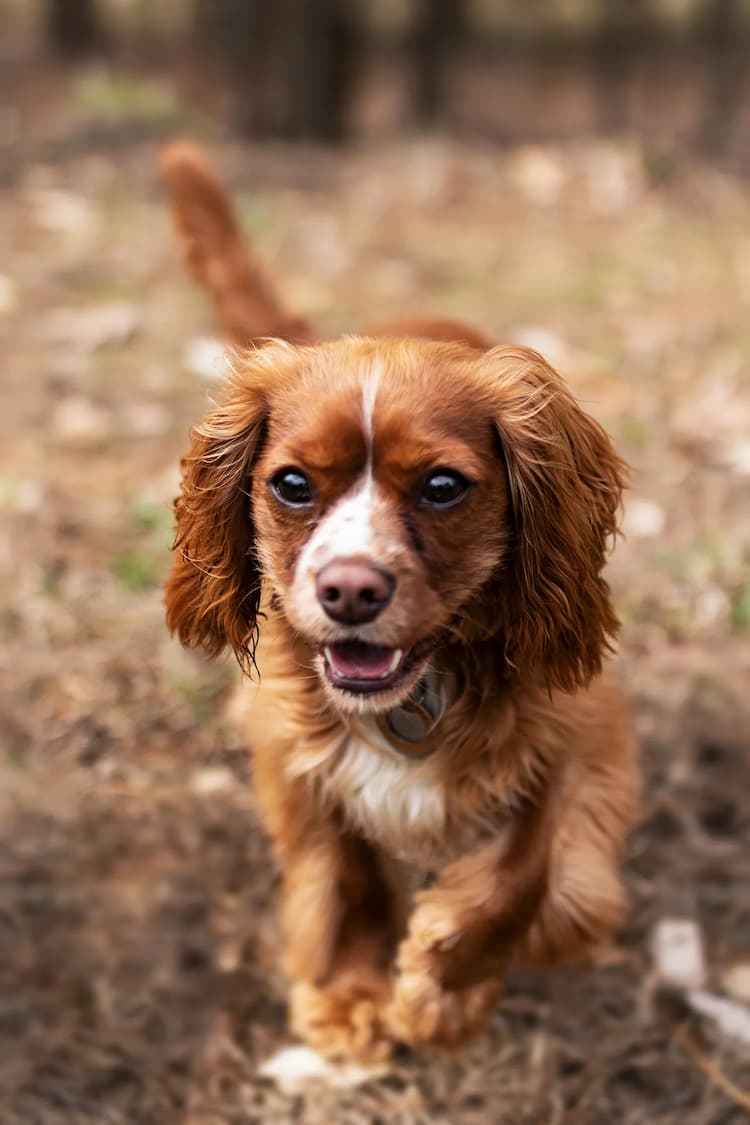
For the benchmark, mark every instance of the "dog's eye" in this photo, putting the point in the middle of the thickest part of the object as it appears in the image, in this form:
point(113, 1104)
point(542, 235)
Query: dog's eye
point(292, 487)
point(443, 488)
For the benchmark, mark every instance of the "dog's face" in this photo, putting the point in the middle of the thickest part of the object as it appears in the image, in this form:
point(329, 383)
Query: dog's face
point(381, 508)
point(389, 492)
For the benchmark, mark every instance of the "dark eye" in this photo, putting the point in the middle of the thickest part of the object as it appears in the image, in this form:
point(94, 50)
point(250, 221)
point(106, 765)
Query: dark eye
point(443, 488)
point(292, 487)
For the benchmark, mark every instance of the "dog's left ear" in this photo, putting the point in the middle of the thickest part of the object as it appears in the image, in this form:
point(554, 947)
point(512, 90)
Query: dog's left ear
point(212, 594)
point(566, 483)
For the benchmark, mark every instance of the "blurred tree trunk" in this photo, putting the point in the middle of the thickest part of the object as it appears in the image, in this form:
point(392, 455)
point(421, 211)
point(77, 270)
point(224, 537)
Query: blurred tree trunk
point(292, 63)
point(622, 25)
point(723, 36)
point(438, 30)
point(73, 27)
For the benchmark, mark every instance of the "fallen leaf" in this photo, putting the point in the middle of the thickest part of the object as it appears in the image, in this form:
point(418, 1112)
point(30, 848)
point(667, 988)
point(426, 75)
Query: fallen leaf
point(8, 295)
point(293, 1069)
point(736, 981)
point(89, 329)
point(147, 419)
point(644, 519)
point(206, 356)
point(212, 779)
point(539, 174)
point(80, 420)
point(731, 1018)
point(677, 950)
point(549, 344)
point(737, 457)
point(64, 212)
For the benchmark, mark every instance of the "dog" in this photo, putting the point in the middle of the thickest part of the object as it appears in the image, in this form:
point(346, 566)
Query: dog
point(404, 533)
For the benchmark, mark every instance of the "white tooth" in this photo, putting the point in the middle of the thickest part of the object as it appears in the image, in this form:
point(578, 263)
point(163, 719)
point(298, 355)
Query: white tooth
point(395, 660)
point(328, 655)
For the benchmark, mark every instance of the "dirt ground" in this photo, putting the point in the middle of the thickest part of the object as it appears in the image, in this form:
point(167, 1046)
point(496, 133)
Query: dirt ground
point(138, 979)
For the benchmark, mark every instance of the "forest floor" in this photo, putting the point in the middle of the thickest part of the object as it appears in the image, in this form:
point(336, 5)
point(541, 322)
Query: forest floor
point(138, 974)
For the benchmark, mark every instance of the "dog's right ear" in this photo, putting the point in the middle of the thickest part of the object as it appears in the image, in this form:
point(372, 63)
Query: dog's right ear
point(213, 589)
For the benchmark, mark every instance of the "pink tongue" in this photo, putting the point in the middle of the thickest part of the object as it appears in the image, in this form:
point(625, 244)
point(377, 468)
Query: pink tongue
point(359, 661)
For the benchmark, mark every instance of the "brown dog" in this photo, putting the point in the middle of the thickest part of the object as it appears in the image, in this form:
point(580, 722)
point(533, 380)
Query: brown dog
point(405, 532)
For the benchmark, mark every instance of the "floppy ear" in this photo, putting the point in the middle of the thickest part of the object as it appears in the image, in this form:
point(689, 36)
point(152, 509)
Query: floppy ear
point(213, 590)
point(566, 485)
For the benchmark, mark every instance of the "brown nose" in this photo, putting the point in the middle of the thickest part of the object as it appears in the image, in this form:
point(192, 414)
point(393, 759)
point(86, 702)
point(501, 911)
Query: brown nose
point(353, 592)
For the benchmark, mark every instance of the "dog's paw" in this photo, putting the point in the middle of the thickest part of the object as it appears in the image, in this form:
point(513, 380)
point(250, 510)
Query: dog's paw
point(433, 928)
point(422, 1012)
point(451, 945)
point(340, 1025)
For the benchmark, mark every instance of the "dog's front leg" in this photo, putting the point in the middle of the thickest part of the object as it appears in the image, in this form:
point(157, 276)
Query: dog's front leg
point(337, 923)
point(463, 930)
point(337, 1000)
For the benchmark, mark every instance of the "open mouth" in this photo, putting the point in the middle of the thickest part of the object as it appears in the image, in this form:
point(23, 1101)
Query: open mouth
point(361, 667)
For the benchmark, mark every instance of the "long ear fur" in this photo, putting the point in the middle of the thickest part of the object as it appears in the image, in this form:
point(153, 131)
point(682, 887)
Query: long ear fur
point(566, 485)
point(213, 590)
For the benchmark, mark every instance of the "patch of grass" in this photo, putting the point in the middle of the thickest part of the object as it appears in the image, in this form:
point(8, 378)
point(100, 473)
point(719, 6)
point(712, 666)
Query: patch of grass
point(255, 216)
point(586, 289)
point(716, 558)
point(136, 570)
point(663, 165)
point(673, 615)
point(741, 610)
point(637, 431)
point(142, 564)
point(155, 519)
point(15, 758)
point(9, 492)
point(687, 565)
point(203, 695)
point(12, 492)
point(105, 95)
point(50, 581)
point(199, 684)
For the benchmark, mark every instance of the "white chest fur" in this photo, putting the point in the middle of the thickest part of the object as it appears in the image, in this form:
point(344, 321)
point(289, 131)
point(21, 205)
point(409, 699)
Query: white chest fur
point(393, 801)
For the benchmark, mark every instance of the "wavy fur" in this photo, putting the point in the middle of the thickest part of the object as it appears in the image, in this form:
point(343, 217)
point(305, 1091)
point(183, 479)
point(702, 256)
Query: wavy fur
point(409, 885)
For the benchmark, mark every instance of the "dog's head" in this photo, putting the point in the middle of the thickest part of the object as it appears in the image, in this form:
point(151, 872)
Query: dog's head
point(394, 494)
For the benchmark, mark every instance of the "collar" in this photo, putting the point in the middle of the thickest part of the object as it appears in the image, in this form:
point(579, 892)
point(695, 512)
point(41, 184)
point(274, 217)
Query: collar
point(407, 728)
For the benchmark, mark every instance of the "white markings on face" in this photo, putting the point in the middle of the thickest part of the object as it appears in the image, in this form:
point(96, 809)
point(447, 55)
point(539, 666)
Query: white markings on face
point(369, 394)
point(345, 532)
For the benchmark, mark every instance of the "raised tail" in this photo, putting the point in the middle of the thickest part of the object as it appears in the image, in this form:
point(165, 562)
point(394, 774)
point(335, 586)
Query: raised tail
point(218, 255)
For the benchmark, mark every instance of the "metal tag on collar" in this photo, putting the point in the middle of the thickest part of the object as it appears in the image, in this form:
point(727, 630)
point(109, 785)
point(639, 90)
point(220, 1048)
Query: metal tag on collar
point(416, 718)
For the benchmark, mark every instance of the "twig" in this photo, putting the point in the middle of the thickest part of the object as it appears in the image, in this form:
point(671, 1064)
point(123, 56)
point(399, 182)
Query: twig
point(709, 1067)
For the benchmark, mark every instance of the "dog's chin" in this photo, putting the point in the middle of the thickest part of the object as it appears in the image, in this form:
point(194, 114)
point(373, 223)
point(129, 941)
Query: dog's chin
point(361, 678)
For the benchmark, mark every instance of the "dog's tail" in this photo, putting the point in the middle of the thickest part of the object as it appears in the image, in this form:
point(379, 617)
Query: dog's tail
point(218, 255)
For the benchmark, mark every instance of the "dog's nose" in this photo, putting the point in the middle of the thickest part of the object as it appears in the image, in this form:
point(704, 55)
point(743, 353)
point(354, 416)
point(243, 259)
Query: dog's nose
point(353, 592)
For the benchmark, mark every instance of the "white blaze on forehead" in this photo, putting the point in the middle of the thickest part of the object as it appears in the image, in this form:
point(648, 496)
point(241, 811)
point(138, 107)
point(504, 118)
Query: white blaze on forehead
point(369, 394)
point(346, 531)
